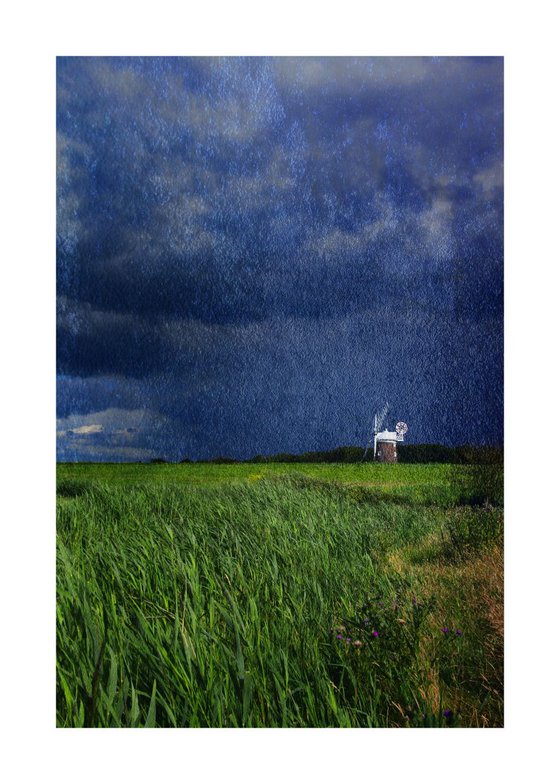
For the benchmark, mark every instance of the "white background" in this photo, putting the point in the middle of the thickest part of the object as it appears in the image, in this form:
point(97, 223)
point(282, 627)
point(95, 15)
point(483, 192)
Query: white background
point(33, 34)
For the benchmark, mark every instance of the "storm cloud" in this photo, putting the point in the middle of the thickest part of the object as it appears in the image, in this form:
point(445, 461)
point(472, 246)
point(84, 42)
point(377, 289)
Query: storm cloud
point(257, 251)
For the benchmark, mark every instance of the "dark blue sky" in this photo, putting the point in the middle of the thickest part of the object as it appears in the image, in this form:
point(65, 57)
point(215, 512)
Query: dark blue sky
point(253, 254)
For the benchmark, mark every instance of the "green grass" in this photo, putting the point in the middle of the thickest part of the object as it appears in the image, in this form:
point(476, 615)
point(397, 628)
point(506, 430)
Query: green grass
point(412, 484)
point(213, 596)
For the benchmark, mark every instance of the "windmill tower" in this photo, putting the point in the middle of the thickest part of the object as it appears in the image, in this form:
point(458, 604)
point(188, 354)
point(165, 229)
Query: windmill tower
point(385, 441)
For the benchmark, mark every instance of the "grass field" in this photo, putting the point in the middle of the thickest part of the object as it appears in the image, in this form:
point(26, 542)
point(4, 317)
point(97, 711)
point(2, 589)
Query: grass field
point(277, 595)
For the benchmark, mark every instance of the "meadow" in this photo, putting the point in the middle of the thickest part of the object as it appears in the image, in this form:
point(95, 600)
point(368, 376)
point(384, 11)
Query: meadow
point(278, 595)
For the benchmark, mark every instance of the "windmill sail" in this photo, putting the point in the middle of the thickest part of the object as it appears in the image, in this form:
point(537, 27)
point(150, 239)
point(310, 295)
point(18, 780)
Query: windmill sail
point(381, 417)
point(378, 420)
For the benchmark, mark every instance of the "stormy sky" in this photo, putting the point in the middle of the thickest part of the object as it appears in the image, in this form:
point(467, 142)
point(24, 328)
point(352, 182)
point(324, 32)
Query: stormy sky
point(255, 253)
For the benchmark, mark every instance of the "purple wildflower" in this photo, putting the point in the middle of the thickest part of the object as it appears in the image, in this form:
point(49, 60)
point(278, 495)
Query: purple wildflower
point(459, 633)
point(375, 633)
point(348, 639)
point(445, 630)
point(448, 714)
point(339, 636)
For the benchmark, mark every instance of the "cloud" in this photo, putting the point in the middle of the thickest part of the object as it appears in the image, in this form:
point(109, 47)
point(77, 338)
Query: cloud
point(112, 432)
point(241, 384)
point(85, 430)
point(219, 218)
point(491, 178)
point(353, 74)
point(107, 421)
point(187, 184)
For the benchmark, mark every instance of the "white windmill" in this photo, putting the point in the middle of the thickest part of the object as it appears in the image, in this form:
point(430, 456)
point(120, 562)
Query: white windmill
point(385, 441)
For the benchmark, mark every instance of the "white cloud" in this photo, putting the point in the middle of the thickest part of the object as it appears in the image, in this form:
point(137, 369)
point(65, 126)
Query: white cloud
point(332, 245)
point(119, 423)
point(347, 74)
point(115, 433)
point(87, 429)
point(70, 181)
point(491, 178)
point(436, 226)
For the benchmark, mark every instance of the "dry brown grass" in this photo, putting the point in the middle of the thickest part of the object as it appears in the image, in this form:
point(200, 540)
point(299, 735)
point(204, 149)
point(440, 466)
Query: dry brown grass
point(467, 595)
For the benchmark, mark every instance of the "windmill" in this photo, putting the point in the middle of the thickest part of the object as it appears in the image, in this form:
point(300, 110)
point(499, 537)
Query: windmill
point(385, 441)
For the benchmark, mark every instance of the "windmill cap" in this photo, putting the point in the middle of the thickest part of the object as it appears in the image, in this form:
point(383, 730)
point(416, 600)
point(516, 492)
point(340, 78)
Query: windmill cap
point(387, 435)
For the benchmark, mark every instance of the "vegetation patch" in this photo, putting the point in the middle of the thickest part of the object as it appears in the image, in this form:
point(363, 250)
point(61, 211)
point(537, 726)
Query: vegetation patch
point(282, 600)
